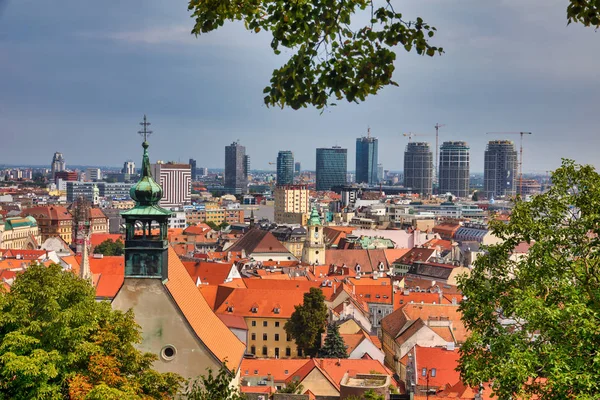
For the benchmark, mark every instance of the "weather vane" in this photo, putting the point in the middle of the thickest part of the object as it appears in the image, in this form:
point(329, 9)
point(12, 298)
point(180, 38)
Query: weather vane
point(145, 132)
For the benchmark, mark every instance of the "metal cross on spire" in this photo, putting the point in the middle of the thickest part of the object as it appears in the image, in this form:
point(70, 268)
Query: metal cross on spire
point(145, 132)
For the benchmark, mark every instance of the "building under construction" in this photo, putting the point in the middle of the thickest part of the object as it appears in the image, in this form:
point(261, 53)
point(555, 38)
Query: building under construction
point(500, 169)
point(454, 169)
point(418, 168)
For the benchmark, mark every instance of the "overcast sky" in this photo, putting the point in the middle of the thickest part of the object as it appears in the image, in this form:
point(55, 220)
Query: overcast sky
point(77, 77)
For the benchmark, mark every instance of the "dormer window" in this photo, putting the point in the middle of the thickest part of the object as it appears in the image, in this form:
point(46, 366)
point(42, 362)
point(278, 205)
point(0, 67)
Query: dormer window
point(276, 310)
point(254, 310)
point(381, 266)
point(357, 268)
point(229, 308)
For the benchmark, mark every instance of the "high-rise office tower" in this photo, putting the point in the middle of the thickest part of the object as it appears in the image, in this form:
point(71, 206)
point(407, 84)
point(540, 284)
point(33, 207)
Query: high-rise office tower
point(380, 175)
point(58, 164)
point(193, 168)
point(454, 168)
point(176, 182)
point(366, 160)
point(285, 168)
point(237, 165)
point(500, 169)
point(297, 167)
point(418, 168)
point(128, 168)
point(331, 167)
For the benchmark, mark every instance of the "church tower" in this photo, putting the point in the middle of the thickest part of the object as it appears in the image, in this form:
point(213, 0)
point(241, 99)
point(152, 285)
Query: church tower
point(146, 243)
point(314, 245)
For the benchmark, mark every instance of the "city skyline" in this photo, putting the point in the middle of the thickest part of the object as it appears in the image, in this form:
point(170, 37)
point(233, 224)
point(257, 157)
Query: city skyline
point(85, 83)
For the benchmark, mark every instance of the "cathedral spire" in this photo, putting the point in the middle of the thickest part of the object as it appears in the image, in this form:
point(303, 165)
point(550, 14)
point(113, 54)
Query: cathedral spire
point(85, 271)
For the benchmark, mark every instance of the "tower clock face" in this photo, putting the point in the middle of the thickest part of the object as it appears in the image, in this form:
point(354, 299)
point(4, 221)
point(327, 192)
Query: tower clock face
point(316, 235)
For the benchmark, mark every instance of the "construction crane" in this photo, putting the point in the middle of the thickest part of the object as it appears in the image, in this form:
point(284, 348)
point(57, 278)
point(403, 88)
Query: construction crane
point(437, 147)
point(520, 162)
point(410, 135)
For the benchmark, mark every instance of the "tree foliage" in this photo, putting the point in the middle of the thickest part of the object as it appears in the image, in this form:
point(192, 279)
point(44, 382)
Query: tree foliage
point(332, 53)
point(217, 387)
point(586, 12)
point(294, 387)
point(535, 320)
point(110, 248)
point(334, 346)
point(307, 322)
point(57, 342)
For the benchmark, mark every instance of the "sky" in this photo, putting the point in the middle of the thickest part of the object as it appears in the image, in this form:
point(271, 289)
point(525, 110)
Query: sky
point(77, 77)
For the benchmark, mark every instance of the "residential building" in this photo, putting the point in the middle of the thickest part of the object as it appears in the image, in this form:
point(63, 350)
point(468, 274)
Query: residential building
point(418, 168)
point(500, 169)
point(98, 221)
point(261, 246)
point(426, 325)
point(291, 204)
point(432, 369)
point(20, 233)
point(454, 169)
point(93, 174)
point(94, 190)
point(236, 169)
point(367, 160)
point(285, 168)
point(57, 165)
point(53, 221)
point(331, 167)
point(177, 220)
point(128, 168)
point(265, 312)
point(292, 238)
point(176, 183)
point(65, 176)
point(214, 213)
point(193, 168)
point(163, 296)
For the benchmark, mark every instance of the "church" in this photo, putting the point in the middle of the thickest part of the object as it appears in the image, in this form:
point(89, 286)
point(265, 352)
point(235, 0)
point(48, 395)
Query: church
point(177, 323)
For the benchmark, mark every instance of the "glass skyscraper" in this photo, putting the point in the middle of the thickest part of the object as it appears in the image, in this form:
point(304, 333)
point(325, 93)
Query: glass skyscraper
point(366, 160)
point(236, 169)
point(285, 168)
point(331, 167)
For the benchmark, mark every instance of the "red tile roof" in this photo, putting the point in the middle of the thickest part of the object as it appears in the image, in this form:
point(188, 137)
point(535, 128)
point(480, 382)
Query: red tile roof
point(211, 273)
point(97, 238)
point(280, 369)
point(97, 213)
point(262, 303)
point(110, 271)
point(48, 212)
point(367, 259)
point(207, 326)
point(23, 254)
point(444, 361)
point(233, 321)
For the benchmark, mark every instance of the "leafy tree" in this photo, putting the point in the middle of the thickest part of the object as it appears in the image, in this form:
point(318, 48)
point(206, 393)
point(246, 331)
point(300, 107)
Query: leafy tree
point(334, 344)
point(307, 322)
point(57, 342)
point(331, 55)
point(475, 196)
point(294, 387)
point(218, 387)
point(368, 395)
point(110, 248)
point(535, 321)
point(586, 12)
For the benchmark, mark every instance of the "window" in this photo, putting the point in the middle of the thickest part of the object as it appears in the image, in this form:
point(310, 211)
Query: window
point(433, 371)
point(265, 323)
point(276, 310)
point(255, 372)
point(288, 338)
point(276, 324)
point(277, 337)
point(276, 352)
point(254, 336)
point(168, 352)
point(424, 372)
point(299, 352)
point(253, 323)
point(264, 336)
point(288, 353)
point(264, 350)
point(253, 350)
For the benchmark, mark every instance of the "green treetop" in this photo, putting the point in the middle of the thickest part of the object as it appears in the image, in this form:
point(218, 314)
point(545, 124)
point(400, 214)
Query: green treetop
point(535, 320)
point(308, 321)
point(110, 248)
point(57, 342)
point(334, 346)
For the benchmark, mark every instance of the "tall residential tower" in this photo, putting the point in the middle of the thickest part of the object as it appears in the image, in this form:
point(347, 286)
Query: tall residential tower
point(500, 169)
point(331, 167)
point(418, 168)
point(366, 159)
point(454, 168)
point(58, 164)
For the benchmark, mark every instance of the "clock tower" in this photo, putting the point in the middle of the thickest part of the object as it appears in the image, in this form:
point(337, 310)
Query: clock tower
point(314, 245)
